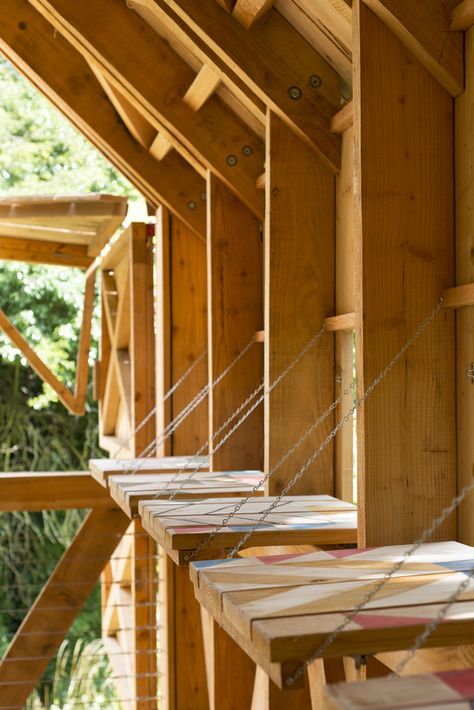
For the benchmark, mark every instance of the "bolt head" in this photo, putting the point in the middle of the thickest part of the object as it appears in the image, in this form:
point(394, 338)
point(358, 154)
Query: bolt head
point(315, 81)
point(231, 160)
point(191, 205)
point(247, 150)
point(295, 93)
point(203, 196)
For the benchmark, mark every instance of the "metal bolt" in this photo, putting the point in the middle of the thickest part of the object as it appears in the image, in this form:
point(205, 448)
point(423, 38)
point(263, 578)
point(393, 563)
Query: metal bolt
point(231, 160)
point(191, 205)
point(247, 150)
point(470, 373)
point(295, 93)
point(203, 196)
point(315, 81)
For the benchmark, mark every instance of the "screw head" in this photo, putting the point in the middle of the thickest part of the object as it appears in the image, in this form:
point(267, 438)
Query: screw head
point(247, 150)
point(203, 196)
point(191, 205)
point(231, 160)
point(315, 81)
point(295, 93)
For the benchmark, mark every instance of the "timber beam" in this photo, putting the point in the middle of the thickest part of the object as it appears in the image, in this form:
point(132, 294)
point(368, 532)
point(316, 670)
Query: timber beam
point(29, 42)
point(57, 490)
point(34, 251)
point(108, 33)
point(297, 84)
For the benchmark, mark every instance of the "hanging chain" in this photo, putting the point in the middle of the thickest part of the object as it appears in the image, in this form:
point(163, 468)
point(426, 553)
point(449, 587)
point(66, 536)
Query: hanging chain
point(360, 400)
point(310, 344)
point(422, 638)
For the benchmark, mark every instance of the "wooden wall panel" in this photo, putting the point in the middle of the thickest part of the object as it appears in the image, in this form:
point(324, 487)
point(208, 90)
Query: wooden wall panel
point(299, 294)
point(403, 123)
point(464, 111)
point(235, 308)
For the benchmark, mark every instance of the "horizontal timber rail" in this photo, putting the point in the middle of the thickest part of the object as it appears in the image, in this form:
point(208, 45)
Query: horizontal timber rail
point(50, 491)
point(332, 324)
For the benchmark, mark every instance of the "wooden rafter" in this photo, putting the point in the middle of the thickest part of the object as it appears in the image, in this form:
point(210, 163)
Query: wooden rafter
point(49, 619)
point(156, 86)
point(29, 42)
point(248, 12)
point(74, 402)
point(298, 84)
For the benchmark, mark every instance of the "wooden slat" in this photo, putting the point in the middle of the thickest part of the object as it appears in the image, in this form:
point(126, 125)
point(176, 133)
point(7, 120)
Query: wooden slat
point(342, 120)
point(248, 12)
point(160, 147)
point(49, 619)
point(37, 51)
point(462, 17)
point(424, 28)
point(256, 57)
point(204, 85)
point(299, 293)
point(112, 46)
point(464, 157)
point(459, 296)
point(44, 252)
point(82, 365)
point(335, 324)
point(235, 312)
point(164, 370)
point(50, 491)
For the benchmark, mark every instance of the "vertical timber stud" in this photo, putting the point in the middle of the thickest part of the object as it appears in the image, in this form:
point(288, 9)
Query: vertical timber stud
point(181, 337)
point(464, 142)
point(403, 125)
point(299, 294)
point(142, 354)
point(235, 313)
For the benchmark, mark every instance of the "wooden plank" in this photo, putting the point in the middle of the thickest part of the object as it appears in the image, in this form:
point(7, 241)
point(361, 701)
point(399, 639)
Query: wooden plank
point(459, 296)
point(50, 491)
point(464, 154)
point(204, 85)
point(102, 469)
point(336, 324)
point(164, 371)
point(160, 147)
point(299, 293)
point(256, 57)
point(187, 332)
point(235, 312)
point(462, 17)
point(344, 340)
point(248, 12)
point(49, 619)
point(424, 29)
point(44, 252)
point(342, 120)
point(82, 365)
point(112, 46)
point(407, 425)
point(32, 46)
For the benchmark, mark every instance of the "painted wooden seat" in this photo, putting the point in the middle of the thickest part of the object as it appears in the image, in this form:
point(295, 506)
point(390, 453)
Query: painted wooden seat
point(284, 607)
point(180, 526)
point(102, 469)
point(129, 490)
point(449, 690)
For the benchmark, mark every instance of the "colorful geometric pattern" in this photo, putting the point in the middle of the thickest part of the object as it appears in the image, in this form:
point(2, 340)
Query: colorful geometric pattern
point(443, 691)
point(288, 605)
point(129, 490)
point(183, 525)
point(101, 469)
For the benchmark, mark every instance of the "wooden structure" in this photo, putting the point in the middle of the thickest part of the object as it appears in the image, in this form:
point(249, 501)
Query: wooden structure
point(310, 163)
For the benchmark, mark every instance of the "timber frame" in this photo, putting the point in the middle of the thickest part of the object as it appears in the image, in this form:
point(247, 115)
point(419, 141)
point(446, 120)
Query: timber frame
point(309, 164)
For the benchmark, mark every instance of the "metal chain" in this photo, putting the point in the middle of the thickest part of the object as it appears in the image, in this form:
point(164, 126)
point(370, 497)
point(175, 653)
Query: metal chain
point(422, 638)
point(310, 344)
point(172, 426)
point(168, 394)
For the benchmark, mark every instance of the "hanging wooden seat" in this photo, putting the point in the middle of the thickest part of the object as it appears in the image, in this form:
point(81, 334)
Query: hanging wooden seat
point(449, 690)
point(283, 608)
point(130, 490)
point(181, 526)
point(102, 469)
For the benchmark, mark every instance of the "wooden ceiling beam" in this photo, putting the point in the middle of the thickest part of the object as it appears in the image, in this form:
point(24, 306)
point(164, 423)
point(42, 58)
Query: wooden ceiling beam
point(203, 86)
point(424, 28)
point(109, 33)
point(463, 16)
point(248, 12)
point(282, 69)
point(138, 126)
point(31, 45)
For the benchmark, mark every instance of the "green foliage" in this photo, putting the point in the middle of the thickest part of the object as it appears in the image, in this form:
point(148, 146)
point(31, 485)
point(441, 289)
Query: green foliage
point(41, 153)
